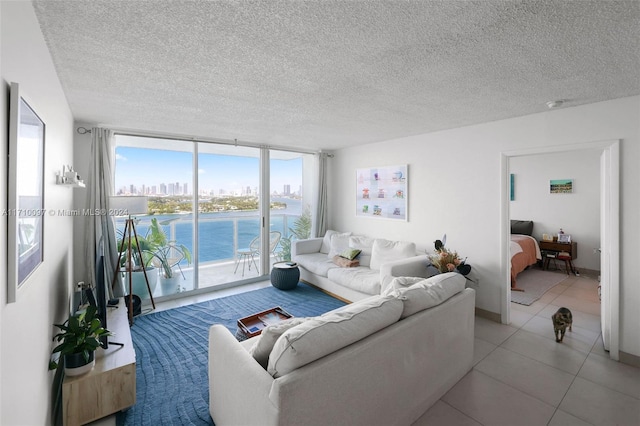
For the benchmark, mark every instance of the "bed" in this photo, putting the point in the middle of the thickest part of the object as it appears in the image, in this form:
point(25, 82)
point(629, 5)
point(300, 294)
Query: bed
point(524, 249)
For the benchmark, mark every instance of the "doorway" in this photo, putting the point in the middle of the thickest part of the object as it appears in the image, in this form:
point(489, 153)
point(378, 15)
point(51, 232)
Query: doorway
point(609, 232)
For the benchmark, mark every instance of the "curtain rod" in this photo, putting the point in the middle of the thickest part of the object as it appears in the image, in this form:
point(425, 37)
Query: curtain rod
point(83, 130)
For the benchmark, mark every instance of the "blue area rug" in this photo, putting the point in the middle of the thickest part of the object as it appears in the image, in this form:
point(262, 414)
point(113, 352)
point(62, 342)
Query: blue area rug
point(171, 346)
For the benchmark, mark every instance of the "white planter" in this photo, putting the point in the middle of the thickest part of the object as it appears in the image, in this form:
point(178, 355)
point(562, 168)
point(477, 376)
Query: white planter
point(79, 370)
point(170, 285)
point(138, 284)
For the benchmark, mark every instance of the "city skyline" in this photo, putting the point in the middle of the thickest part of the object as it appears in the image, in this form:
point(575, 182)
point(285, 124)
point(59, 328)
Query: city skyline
point(138, 168)
point(172, 189)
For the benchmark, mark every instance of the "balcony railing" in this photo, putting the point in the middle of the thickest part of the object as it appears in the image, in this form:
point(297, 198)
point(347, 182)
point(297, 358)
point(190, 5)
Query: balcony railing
point(219, 238)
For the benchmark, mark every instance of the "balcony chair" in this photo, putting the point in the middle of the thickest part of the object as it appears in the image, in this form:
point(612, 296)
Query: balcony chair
point(274, 240)
point(248, 254)
point(173, 255)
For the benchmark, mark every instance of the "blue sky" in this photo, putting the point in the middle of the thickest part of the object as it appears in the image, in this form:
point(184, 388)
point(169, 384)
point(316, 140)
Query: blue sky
point(142, 166)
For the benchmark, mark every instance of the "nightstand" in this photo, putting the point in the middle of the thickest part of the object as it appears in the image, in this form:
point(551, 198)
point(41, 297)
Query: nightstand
point(552, 249)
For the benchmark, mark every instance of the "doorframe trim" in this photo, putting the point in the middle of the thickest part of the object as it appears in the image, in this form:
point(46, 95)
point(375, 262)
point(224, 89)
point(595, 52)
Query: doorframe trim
point(610, 207)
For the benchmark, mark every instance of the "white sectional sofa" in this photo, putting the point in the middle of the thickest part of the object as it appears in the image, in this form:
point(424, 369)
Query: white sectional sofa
point(383, 360)
point(380, 261)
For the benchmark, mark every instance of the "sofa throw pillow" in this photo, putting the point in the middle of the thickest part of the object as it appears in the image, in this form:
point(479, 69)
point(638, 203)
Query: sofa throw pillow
point(326, 241)
point(387, 251)
point(332, 331)
point(350, 253)
point(524, 227)
point(429, 292)
point(264, 343)
point(345, 263)
point(339, 243)
point(365, 245)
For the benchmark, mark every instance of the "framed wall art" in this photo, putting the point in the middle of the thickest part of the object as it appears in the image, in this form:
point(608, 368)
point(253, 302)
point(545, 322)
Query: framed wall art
point(382, 192)
point(25, 192)
point(561, 186)
point(564, 238)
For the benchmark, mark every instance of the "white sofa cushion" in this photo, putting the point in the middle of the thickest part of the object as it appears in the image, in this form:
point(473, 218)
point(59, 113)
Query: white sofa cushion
point(339, 243)
point(365, 244)
point(384, 251)
point(362, 279)
point(318, 263)
point(264, 344)
point(397, 283)
point(320, 336)
point(426, 293)
point(326, 241)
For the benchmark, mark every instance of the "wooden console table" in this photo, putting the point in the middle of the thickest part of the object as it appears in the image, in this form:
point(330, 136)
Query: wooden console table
point(111, 385)
point(554, 248)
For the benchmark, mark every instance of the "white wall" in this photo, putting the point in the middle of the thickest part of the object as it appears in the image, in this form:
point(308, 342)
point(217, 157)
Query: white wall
point(454, 188)
point(26, 326)
point(578, 213)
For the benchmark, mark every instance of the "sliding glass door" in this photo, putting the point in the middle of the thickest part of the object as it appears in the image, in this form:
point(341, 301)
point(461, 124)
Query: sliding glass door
point(207, 206)
point(162, 171)
point(228, 214)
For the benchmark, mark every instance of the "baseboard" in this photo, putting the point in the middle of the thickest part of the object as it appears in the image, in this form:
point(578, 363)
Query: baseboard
point(630, 359)
point(588, 273)
point(325, 291)
point(488, 315)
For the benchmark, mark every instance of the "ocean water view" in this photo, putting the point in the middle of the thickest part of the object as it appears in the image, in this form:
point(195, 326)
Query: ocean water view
point(220, 233)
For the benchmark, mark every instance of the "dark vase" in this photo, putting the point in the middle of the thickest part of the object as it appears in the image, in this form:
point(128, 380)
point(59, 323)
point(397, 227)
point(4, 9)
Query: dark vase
point(464, 269)
point(77, 360)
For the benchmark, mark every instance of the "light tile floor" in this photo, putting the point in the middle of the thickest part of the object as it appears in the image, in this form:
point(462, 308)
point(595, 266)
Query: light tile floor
point(521, 376)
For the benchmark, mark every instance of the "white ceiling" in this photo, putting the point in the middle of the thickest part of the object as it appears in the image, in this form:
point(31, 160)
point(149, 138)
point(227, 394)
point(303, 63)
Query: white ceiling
point(329, 74)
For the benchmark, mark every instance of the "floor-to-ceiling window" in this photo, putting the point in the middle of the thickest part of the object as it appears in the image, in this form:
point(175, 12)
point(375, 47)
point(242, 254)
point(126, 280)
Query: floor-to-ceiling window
point(291, 183)
point(205, 199)
point(162, 171)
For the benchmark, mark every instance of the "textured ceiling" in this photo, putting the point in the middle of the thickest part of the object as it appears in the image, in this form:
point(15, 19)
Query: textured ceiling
point(329, 74)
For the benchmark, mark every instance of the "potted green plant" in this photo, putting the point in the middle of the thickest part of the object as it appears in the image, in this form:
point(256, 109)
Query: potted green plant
point(80, 336)
point(166, 254)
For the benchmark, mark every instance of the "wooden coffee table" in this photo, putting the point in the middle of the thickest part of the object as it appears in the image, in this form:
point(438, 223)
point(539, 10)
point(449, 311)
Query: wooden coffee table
point(252, 325)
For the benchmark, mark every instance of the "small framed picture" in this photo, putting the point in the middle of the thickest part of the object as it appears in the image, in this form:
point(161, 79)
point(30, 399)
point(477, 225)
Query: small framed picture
point(564, 238)
point(547, 237)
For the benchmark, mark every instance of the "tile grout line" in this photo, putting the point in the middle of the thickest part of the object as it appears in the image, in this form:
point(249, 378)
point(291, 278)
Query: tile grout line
point(461, 412)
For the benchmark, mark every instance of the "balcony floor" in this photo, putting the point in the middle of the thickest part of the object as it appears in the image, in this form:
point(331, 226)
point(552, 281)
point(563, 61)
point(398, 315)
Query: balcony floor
point(212, 276)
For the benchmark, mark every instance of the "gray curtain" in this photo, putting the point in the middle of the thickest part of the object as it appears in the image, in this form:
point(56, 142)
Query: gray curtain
point(321, 205)
point(100, 229)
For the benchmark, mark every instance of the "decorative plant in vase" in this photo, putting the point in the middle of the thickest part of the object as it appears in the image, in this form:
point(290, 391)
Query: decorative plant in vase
point(80, 336)
point(446, 260)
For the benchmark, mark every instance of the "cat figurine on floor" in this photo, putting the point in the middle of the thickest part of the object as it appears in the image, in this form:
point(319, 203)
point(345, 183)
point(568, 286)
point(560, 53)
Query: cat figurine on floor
point(561, 320)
